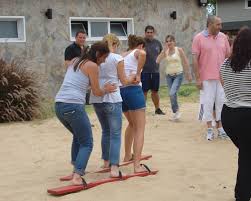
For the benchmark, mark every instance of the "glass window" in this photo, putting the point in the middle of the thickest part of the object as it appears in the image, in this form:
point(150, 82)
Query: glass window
point(249, 4)
point(8, 29)
point(119, 28)
point(99, 29)
point(96, 28)
point(12, 29)
point(78, 25)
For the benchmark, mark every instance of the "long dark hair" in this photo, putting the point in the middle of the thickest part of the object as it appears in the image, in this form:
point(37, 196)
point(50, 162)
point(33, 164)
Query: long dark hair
point(241, 54)
point(90, 53)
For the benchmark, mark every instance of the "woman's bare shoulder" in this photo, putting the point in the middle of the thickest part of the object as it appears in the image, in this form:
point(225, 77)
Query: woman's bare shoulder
point(88, 66)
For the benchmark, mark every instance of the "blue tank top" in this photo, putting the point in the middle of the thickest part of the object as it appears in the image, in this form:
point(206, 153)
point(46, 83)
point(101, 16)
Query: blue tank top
point(74, 87)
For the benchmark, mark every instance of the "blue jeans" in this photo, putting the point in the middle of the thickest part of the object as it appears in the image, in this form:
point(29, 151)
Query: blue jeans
point(110, 118)
point(173, 83)
point(75, 119)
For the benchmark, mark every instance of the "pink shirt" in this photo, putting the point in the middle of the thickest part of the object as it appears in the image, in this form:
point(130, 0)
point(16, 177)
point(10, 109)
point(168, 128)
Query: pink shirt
point(211, 52)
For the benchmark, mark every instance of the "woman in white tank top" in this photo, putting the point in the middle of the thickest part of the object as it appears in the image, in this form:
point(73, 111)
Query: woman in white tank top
point(134, 102)
point(108, 108)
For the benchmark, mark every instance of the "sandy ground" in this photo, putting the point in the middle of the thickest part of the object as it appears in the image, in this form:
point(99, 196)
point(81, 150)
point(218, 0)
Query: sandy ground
point(35, 154)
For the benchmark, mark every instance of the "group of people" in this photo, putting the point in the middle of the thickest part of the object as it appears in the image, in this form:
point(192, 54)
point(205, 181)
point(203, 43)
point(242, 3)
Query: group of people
point(115, 87)
point(120, 83)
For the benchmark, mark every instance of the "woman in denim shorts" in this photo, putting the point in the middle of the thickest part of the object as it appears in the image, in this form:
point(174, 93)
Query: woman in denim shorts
point(70, 104)
point(133, 104)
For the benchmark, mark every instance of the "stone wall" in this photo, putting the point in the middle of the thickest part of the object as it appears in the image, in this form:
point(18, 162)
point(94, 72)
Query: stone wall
point(46, 39)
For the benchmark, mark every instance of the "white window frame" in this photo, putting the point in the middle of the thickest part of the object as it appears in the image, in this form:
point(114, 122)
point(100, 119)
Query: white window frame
point(246, 5)
point(20, 29)
point(130, 26)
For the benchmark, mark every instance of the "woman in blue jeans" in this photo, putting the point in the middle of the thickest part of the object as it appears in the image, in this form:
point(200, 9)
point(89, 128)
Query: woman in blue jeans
point(70, 104)
point(109, 107)
point(175, 62)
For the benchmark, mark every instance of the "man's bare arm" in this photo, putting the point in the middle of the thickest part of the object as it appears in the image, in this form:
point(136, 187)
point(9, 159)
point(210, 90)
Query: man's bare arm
point(196, 71)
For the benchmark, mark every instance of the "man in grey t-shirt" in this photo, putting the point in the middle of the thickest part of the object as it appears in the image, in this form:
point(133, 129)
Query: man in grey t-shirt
point(150, 74)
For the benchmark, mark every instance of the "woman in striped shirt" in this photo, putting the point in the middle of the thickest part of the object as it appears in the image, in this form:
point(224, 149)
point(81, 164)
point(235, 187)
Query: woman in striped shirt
point(236, 113)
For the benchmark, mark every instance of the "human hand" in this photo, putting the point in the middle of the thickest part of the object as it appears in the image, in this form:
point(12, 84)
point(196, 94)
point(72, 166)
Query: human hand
point(166, 50)
point(110, 87)
point(137, 79)
point(131, 78)
point(199, 84)
point(189, 77)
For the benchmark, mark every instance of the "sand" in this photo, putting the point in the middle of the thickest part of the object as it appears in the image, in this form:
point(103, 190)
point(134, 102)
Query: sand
point(35, 154)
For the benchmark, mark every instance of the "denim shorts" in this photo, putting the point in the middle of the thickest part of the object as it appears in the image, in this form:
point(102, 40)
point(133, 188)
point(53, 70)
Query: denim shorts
point(133, 98)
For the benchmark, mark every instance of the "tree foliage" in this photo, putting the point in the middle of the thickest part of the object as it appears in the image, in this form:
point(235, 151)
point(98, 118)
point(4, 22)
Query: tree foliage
point(211, 7)
point(212, 2)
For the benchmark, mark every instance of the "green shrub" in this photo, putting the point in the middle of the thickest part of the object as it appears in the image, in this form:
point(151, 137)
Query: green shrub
point(187, 90)
point(18, 92)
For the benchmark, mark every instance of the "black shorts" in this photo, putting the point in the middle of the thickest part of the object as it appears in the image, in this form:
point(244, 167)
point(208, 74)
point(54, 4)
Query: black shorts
point(150, 81)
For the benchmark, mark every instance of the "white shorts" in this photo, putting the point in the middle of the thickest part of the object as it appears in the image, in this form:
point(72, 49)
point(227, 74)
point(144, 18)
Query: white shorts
point(212, 97)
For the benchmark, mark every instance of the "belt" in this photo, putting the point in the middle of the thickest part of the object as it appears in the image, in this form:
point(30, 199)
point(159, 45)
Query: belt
point(175, 74)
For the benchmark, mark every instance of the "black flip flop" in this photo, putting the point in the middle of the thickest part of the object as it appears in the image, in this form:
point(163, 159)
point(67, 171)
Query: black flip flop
point(120, 175)
point(84, 182)
point(146, 167)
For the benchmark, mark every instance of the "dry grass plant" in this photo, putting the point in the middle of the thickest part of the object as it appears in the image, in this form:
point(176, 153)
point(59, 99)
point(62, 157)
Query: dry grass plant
point(19, 100)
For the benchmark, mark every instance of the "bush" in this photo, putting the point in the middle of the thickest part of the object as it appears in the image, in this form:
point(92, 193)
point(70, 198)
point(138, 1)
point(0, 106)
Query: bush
point(187, 90)
point(19, 99)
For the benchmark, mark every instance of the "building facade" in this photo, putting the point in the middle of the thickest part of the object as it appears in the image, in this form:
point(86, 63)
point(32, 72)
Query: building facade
point(37, 32)
point(234, 15)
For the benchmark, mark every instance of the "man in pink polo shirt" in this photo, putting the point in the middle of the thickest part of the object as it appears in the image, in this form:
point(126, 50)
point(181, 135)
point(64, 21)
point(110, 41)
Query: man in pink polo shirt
point(210, 48)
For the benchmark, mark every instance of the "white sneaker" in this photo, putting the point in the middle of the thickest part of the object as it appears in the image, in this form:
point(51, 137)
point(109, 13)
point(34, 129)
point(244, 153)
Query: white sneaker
point(176, 116)
point(222, 134)
point(210, 134)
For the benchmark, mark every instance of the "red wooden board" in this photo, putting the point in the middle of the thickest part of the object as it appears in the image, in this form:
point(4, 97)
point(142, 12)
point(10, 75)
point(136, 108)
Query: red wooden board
point(75, 188)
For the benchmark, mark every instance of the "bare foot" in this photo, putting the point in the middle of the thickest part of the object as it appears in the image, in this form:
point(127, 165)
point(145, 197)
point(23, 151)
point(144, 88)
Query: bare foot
point(115, 172)
point(128, 158)
point(141, 168)
point(69, 177)
point(76, 180)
